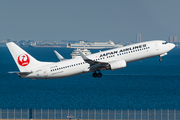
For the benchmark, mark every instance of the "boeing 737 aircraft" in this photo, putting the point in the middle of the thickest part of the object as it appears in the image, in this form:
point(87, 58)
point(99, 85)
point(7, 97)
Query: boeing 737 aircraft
point(106, 60)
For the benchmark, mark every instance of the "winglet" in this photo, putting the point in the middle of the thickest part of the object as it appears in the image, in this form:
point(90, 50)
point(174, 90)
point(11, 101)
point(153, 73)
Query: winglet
point(93, 64)
point(86, 59)
point(83, 56)
point(61, 58)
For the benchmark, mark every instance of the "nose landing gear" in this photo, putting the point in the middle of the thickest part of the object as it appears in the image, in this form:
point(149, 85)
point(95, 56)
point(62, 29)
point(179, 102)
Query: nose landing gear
point(99, 75)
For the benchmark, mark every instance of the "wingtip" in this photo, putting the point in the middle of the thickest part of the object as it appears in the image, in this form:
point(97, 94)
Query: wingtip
point(8, 43)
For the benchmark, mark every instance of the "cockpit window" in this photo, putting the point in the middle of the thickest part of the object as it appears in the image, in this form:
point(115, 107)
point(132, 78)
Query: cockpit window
point(164, 43)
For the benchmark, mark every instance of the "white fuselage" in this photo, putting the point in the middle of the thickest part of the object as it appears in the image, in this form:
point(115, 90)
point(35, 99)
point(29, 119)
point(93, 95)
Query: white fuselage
point(77, 65)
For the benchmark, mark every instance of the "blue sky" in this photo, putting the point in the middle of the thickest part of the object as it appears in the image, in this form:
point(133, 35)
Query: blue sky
point(92, 20)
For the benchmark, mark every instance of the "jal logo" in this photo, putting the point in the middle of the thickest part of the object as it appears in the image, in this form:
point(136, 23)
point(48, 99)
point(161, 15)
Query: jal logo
point(23, 60)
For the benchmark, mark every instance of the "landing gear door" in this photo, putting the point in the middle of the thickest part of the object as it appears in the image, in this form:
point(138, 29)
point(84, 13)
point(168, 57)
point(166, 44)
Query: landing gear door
point(156, 46)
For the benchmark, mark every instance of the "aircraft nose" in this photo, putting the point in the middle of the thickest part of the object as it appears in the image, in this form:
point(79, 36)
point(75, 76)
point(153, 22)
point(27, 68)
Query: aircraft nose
point(171, 45)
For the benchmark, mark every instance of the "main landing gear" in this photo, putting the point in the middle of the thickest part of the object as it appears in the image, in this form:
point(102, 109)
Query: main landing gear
point(160, 59)
point(99, 75)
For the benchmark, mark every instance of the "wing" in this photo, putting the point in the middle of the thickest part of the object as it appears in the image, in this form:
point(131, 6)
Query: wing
point(94, 65)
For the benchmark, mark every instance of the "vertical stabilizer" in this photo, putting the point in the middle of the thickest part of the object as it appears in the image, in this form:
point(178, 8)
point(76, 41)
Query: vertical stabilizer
point(24, 61)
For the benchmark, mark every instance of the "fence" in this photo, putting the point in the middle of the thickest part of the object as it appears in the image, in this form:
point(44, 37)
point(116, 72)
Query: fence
point(90, 114)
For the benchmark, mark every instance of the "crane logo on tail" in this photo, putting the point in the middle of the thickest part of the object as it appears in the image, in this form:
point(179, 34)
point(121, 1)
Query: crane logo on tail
point(23, 60)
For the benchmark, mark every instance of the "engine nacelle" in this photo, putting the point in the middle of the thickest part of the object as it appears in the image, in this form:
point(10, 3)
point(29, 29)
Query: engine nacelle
point(117, 64)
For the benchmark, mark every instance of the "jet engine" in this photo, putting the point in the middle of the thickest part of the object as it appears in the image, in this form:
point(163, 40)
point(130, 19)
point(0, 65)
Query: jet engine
point(117, 64)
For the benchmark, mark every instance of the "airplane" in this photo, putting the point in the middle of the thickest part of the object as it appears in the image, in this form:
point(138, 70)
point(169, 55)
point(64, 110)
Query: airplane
point(112, 59)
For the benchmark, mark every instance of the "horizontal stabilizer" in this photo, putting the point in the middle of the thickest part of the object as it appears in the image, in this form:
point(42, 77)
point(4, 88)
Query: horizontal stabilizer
point(24, 73)
point(20, 73)
point(12, 72)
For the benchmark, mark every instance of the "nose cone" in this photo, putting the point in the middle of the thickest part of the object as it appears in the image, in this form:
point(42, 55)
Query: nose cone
point(171, 45)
